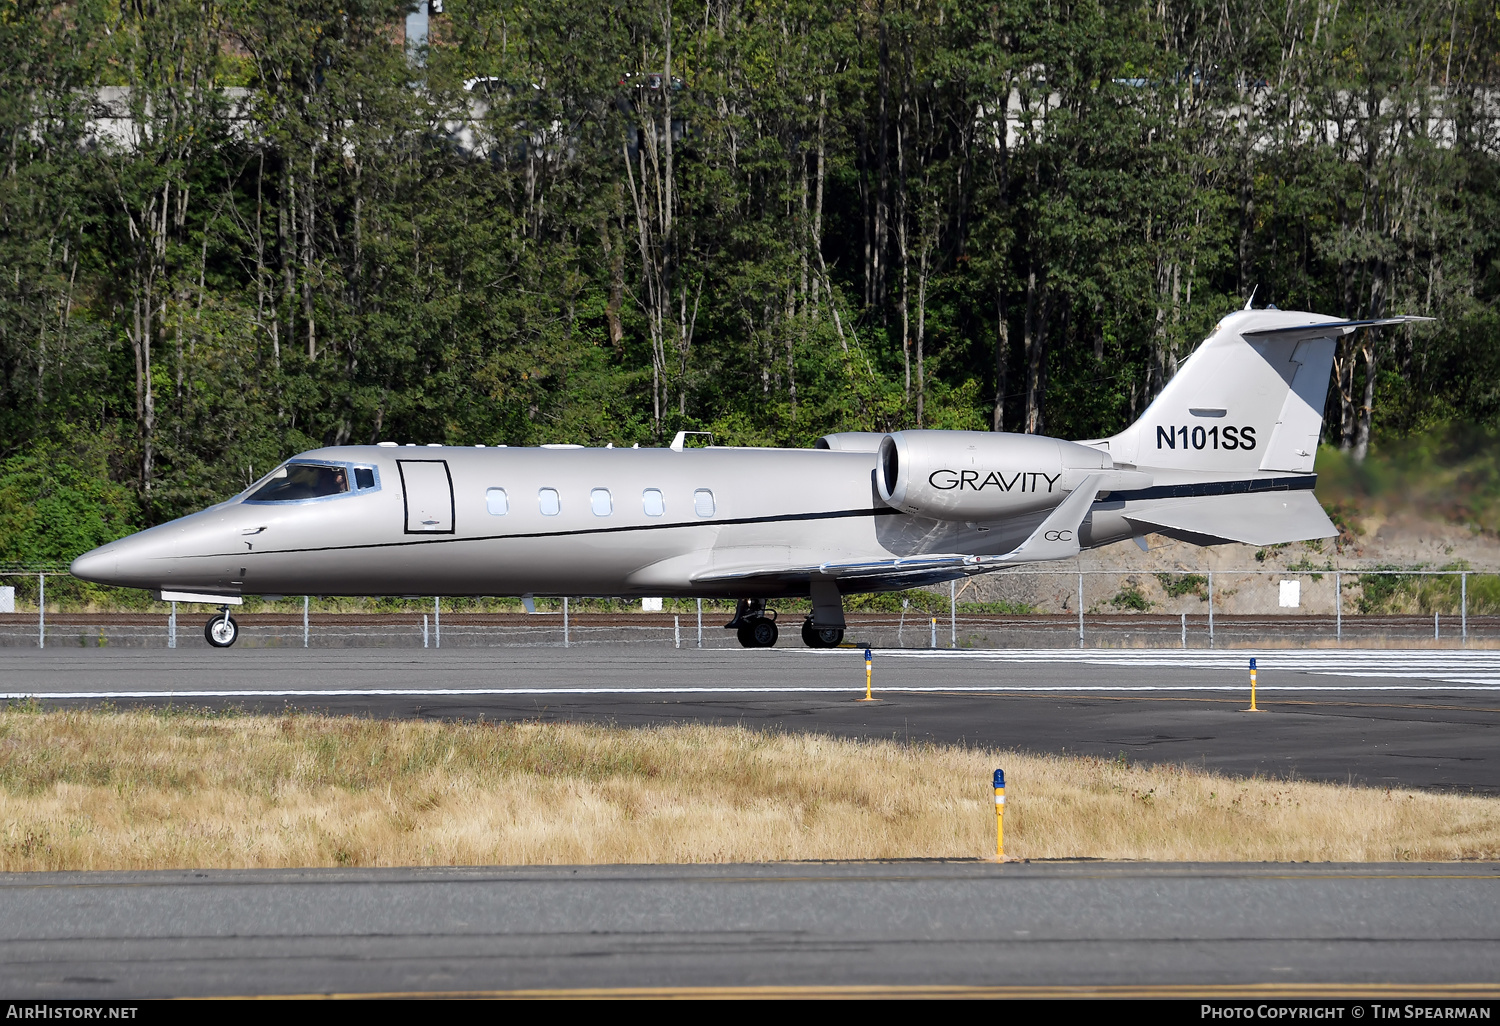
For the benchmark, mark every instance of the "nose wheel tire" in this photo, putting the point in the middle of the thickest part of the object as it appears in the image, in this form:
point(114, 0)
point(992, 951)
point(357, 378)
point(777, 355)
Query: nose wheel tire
point(821, 637)
point(758, 634)
point(221, 631)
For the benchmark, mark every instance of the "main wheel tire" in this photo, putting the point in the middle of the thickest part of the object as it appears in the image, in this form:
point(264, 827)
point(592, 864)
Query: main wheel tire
point(743, 632)
point(821, 637)
point(221, 631)
point(763, 633)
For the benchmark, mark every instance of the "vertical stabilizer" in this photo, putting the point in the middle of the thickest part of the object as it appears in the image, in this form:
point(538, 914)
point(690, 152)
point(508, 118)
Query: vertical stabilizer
point(1250, 398)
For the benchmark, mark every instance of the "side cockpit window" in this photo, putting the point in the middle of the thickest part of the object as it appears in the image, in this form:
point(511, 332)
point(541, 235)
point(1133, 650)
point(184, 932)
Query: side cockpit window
point(297, 481)
point(364, 477)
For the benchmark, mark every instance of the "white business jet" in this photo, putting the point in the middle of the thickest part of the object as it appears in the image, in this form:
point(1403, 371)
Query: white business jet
point(1224, 454)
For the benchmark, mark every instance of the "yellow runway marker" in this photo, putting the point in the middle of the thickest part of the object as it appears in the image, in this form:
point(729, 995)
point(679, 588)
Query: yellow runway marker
point(1252, 687)
point(869, 667)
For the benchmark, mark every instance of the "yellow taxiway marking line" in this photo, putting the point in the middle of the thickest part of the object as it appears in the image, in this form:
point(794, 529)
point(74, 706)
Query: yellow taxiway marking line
point(1338, 991)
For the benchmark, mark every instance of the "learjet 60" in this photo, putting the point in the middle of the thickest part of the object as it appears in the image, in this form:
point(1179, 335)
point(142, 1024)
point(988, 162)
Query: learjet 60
point(1223, 454)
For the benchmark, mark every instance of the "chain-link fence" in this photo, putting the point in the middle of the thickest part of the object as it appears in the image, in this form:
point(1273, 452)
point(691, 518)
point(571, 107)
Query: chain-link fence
point(1023, 608)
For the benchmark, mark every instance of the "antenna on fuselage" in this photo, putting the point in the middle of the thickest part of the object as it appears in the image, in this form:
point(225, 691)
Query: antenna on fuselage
point(1253, 289)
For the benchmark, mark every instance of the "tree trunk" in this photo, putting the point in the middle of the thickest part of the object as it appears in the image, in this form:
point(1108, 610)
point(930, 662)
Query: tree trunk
point(1370, 352)
point(1002, 359)
point(922, 268)
point(1037, 303)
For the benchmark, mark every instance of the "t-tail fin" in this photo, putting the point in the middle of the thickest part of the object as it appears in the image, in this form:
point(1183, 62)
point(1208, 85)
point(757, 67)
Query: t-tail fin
point(1250, 398)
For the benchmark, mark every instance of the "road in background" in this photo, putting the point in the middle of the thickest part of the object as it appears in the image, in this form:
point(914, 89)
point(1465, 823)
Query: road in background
point(1420, 718)
point(1144, 929)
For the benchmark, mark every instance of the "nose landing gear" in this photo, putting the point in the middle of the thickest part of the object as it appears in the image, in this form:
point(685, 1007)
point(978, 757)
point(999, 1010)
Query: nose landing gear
point(222, 631)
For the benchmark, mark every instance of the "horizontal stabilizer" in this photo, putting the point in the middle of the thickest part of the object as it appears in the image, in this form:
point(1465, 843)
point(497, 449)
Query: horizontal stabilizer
point(1342, 327)
point(1261, 518)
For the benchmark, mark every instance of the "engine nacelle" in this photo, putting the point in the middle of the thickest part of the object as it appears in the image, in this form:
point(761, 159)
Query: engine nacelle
point(980, 475)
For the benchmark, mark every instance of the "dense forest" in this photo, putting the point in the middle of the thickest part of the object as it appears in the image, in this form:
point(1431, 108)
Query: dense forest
point(236, 230)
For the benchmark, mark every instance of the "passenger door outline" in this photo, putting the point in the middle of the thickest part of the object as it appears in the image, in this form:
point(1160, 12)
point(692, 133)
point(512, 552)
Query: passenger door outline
point(419, 477)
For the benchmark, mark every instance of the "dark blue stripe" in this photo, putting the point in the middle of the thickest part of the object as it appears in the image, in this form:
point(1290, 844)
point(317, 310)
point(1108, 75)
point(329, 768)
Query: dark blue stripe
point(1204, 488)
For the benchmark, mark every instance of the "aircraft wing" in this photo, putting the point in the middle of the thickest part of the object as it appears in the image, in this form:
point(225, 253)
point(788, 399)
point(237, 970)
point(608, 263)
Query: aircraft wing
point(943, 565)
point(1056, 537)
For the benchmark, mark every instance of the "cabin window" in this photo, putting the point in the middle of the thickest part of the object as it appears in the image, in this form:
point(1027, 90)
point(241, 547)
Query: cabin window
point(601, 502)
point(302, 481)
point(703, 502)
point(548, 502)
point(497, 502)
point(652, 502)
point(364, 477)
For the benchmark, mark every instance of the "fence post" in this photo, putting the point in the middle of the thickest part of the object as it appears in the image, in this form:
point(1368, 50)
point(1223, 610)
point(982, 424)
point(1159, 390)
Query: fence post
point(306, 601)
point(1184, 630)
point(424, 630)
point(172, 627)
point(934, 633)
point(1338, 605)
point(1080, 609)
point(41, 610)
point(1435, 625)
point(952, 614)
point(565, 621)
point(676, 631)
point(437, 623)
point(1463, 599)
point(1210, 609)
point(700, 623)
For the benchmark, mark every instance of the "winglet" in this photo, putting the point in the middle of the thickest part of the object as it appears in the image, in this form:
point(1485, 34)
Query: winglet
point(1057, 536)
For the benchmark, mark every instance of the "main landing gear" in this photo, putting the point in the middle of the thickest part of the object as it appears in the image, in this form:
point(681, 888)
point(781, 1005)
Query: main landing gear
point(821, 637)
point(222, 631)
point(754, 624)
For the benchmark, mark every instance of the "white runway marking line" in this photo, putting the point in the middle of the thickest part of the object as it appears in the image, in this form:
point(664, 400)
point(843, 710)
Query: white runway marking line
point(1063, 689)
point(1447, 671)
point(1451, 667)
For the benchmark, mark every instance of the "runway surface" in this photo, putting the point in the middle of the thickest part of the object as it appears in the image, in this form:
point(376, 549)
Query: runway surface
point(1418, 718)
point(949, 927)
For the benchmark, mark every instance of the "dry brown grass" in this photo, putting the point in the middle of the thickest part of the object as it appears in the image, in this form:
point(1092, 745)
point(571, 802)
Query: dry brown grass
point(101, 790)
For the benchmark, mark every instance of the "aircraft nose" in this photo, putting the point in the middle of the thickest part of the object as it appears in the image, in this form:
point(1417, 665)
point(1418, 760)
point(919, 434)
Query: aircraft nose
point(101, 565)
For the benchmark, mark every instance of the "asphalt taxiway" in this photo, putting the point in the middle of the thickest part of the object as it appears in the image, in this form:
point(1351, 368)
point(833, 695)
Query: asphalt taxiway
point(1411, 718)
point(1423, 718)
point(892, 928)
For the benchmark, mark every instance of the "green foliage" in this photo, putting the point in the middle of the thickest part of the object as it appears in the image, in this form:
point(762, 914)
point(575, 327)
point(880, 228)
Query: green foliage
point(1449, 470)
point(1398, 592)
point(996, 608)
point(1131, 598)
point(1178, 585)
point(919, 603)
point(58, 501)
point(350, 246)
point(1304, 565)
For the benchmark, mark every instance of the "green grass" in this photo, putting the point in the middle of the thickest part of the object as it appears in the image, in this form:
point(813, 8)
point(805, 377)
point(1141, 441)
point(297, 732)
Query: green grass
point(1403, 591)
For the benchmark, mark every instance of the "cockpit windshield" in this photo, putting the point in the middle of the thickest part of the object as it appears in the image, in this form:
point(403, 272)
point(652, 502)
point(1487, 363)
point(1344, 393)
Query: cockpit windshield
point(302, 481)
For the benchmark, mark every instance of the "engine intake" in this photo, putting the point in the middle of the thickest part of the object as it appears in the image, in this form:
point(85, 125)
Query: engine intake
point(979, 475)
